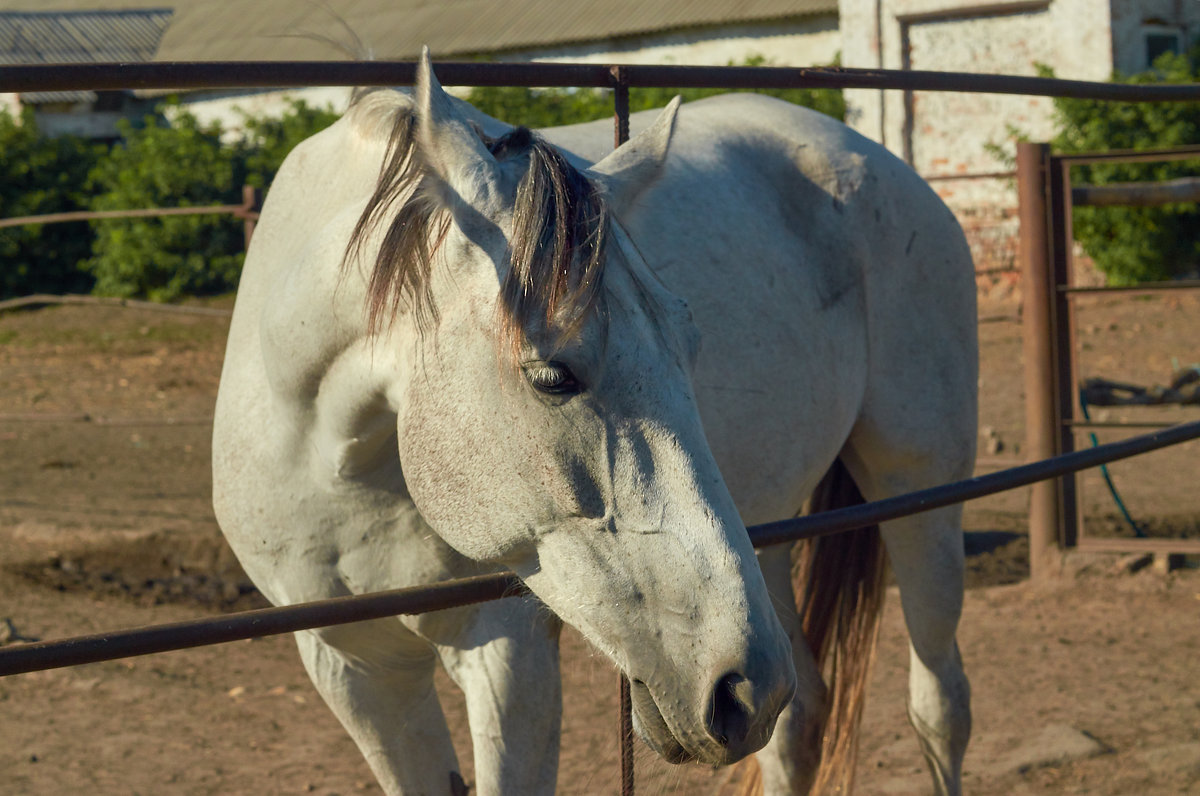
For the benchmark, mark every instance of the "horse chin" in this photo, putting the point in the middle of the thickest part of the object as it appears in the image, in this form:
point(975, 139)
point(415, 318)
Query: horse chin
point(653, 729)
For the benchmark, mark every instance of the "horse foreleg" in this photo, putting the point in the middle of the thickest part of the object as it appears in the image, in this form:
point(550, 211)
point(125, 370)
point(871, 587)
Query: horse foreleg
point(506, 663)
point(385, 699)
point(926, 553)
point(789, 761)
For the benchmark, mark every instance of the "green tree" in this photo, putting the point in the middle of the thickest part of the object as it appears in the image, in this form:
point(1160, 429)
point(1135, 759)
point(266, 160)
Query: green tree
point(167, 164)
point(1136, 244)
point(268, 140)
point(40, 175)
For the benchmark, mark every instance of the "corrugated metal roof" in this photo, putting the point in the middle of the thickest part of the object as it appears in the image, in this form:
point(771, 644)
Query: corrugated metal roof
point(48, 37)
point(394, 29)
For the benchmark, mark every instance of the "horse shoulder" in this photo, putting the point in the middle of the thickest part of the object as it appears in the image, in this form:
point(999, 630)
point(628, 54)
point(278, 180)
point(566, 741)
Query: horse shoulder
point(298, 319)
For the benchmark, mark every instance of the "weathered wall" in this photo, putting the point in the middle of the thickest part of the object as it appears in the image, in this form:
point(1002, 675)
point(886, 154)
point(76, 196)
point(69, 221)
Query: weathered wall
point(231, 107)
point(1132, 19)
point(813, 40)
point(10, 102)
point(952, 137)
point(809, 41)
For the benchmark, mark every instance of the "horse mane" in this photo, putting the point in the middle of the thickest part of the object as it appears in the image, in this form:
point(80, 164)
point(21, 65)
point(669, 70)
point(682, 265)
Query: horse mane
point(557, 244)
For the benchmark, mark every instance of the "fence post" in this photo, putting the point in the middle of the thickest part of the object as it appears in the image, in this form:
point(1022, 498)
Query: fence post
point(624, 699)
point(1041, 416)
point(251, 204)
point(1062, 315)
point(620, 82)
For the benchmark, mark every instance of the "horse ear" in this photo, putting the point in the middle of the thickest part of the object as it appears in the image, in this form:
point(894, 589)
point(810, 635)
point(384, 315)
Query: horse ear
point(451, 147)
point(637, 163)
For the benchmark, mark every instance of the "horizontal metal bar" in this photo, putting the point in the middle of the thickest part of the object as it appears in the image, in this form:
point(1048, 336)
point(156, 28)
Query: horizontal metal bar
point(289, 74)
point(969, 11)
point(1092, 544)
point(1188, 152)
point(253, 624)
point(970, 175)
point(451, 594)
point(1143, 287)
point(1117, 425)
point(239, 211)
point(1137, 194)
point(831, 522)
point(41, 299)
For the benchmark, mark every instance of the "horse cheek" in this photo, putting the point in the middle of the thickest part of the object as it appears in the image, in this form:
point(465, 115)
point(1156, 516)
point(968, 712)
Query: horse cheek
point(465, 469)
point(440, 478)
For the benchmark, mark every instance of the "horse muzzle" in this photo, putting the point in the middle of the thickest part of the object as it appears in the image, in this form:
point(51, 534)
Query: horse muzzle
point(736, 720)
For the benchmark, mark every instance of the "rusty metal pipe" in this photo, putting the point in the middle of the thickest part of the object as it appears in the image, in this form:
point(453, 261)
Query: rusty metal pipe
point(1139, 194)
point(253, 624)
point(1036, 324)
point(340, 610)
point(289, 74)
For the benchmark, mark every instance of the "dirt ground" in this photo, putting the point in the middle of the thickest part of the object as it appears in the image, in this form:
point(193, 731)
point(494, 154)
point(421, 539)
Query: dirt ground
point(1088, 685)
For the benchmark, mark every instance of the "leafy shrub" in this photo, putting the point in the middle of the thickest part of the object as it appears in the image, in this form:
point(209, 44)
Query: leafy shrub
point(180, 164)
point(40, 175)
point(1135, 244)
point(268, 140)
point(176, 164)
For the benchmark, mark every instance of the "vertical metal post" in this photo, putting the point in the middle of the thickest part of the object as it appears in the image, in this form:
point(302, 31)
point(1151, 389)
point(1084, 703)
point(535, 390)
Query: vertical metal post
point(1041, 415)
point(625, 719)
point(620, 106)
point(626, 731)
point(251, 203)
point(1063, 317)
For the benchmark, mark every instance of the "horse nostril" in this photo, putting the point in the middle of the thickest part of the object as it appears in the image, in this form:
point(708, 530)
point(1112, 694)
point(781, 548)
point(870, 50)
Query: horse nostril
point(729, 714)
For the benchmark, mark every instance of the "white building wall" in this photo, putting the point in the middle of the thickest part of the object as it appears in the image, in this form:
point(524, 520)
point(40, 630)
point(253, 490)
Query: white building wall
point(230, 109)
point(11, 102)
point(1132, 20)
point(810, 41)
point(946, 136)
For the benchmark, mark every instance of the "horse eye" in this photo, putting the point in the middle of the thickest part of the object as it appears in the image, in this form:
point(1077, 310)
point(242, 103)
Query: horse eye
point(553, 378)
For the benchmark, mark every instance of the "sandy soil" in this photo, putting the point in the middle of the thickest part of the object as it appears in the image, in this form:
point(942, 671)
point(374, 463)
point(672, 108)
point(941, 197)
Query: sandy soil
point(1085, 686)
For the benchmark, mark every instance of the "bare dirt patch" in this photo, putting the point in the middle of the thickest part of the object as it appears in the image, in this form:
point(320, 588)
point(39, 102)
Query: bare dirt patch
point(105, 523)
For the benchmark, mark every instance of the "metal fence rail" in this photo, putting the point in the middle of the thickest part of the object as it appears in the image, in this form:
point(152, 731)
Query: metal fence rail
point(59, 77)
point(1046, 201)
point(294, 74)
point(465, 591)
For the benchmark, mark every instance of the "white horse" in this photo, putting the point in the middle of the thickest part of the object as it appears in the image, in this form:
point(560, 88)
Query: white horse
point(460, 347)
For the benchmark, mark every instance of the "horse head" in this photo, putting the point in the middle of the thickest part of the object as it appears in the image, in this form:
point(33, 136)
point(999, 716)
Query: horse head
point(547, 421)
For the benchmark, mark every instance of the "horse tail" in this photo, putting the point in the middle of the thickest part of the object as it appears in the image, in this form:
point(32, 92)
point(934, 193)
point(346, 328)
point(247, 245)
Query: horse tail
point(840, 583)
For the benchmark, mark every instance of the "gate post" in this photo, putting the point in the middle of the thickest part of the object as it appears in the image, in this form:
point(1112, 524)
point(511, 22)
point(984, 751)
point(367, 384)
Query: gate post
point(251, 204)
point(1041, 416)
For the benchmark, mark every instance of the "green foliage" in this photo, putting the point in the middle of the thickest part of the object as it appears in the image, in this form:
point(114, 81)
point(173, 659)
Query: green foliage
point(185, 164)
point(541, 107)
point(557, 106)
point(1135, 244)
point(180, 164)
point(268, 140)
point(40, 175)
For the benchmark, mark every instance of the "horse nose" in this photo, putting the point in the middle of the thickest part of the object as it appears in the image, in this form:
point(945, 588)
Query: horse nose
point(742, 715)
